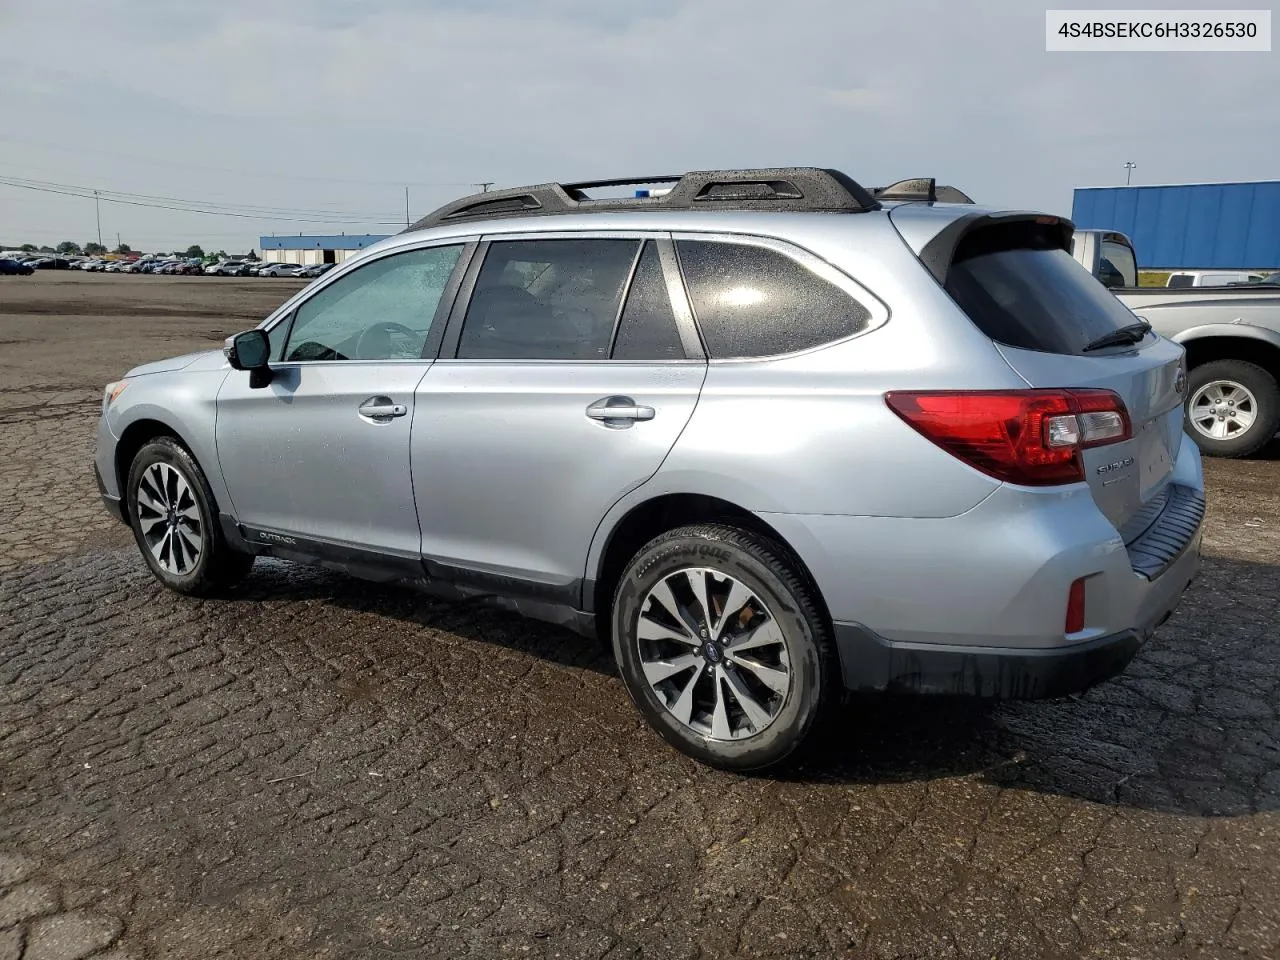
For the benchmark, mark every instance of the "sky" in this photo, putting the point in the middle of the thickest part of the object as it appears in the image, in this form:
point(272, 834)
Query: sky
point(314, 117)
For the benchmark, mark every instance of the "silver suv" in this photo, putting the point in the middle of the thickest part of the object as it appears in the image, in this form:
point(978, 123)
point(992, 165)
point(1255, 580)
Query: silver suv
point(772, 434)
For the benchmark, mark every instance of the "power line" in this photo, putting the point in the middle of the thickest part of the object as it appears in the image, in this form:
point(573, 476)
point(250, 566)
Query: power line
point(88, 194)
point(208, 204)
point(238, 171)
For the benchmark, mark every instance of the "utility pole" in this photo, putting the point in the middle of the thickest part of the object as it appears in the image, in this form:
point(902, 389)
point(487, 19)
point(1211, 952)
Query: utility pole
point(406, 207)
point(484, 187)
point(97, 209)
point(1128, 171)
point(117, 239)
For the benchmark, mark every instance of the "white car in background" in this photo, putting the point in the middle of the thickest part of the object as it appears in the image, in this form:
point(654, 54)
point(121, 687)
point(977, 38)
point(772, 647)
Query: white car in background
point(1209, 278)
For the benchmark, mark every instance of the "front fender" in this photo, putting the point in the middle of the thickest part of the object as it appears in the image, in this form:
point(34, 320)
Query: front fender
point(184, 403)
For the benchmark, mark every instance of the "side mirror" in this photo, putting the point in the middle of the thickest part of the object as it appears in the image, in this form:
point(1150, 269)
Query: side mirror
point(1110, 275)
point(251, 351)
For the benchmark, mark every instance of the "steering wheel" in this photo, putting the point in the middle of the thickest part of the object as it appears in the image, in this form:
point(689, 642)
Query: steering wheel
point(370, 348)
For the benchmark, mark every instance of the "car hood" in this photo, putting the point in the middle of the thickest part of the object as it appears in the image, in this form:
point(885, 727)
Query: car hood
point(203, 360)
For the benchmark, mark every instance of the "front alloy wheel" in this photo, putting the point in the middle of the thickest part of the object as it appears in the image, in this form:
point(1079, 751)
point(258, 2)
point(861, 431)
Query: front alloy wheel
point(169, 519)
point(174, 518)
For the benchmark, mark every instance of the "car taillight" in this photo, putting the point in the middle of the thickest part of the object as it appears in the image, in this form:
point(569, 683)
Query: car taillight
point(1031, 437)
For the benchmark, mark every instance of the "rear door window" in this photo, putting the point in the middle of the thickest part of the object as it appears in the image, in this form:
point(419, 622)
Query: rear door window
point(752, 301)
point(648, 329)
point(547, 300)
point(1023, 291)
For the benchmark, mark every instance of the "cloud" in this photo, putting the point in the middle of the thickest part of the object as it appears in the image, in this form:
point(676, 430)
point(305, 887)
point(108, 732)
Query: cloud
point(253, 103)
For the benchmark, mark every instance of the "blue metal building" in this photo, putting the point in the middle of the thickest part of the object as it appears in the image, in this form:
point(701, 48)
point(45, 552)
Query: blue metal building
point(1190, 226)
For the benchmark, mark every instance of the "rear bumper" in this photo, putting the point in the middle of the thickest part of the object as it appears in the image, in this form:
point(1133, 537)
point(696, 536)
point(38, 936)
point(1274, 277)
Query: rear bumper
point(872, 663)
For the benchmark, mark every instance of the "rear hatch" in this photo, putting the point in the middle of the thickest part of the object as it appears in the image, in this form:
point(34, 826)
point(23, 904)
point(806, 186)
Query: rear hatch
point(1052, 320)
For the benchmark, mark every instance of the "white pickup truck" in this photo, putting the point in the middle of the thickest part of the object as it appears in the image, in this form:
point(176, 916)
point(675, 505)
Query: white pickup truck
point(1231, 335)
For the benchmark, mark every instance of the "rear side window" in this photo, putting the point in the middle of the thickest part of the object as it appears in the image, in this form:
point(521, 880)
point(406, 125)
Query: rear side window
point(1182, 280)
point(547, 300)
point(647, 330)
point(752, 301)
point(1021, 290)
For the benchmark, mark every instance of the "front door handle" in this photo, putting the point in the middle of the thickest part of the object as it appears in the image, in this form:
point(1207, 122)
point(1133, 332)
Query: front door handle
point(382, 409)
point(619, 411)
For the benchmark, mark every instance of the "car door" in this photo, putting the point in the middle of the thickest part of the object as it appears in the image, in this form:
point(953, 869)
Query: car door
point(318, 459)
point(567, 374)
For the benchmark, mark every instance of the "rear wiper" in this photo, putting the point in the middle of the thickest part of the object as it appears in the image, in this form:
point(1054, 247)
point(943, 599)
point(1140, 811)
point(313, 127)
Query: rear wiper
point(1133, 333)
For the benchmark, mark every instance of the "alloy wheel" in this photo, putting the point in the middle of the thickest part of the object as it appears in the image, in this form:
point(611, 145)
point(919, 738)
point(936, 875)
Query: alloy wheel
point(713, 654)
point(1222, 410)
point(169, 518)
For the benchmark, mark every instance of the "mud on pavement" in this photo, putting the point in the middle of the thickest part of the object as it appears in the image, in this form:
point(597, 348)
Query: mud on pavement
point(314, 767)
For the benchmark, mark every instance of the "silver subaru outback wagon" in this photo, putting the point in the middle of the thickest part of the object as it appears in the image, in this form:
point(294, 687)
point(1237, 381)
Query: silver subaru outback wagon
point(774, 435)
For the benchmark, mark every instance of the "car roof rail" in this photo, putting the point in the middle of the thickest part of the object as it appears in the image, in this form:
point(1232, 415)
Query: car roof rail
point(781, 189)
point(921, 188)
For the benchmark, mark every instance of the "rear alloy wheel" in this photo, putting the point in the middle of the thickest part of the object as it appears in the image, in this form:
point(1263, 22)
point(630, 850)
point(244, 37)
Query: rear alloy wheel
point(175, 522)
point(722, 647)
point(1233, 409)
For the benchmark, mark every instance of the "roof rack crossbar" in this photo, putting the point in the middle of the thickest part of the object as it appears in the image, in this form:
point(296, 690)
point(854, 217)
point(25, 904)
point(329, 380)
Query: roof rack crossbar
point(620, 182)
point(793, 189)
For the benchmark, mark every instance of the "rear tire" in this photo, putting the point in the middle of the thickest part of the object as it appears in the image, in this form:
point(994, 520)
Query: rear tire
point(175, 522)
point(1232, 388)
point(739, 690)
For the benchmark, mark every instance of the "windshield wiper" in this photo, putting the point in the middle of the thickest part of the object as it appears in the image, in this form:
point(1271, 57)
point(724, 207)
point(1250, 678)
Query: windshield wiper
point(1133, 333)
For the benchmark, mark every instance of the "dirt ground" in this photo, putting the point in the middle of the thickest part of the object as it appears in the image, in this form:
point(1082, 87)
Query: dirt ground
point(318, 768)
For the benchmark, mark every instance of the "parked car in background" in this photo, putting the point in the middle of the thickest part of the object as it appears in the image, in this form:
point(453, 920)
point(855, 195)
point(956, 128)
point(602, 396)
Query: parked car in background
point(1210, 278)
point(228, 268)
point(1266, 280)
point(53, 263)
point(278, 270)
point(1231, 335)
point(117, 266)
point(312, 271)
point(15, 268)
point(685, 424)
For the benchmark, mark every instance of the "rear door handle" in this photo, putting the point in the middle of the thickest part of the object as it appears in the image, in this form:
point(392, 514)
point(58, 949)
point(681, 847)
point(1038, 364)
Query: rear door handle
point(382, 409)
point(619, 411)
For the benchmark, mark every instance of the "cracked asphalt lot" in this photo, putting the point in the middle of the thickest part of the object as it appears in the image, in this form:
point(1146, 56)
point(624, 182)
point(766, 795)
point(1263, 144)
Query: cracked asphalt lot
point(318, 768)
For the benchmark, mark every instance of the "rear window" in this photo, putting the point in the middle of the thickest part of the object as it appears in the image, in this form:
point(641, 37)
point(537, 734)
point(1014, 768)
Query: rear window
point(1022, 290)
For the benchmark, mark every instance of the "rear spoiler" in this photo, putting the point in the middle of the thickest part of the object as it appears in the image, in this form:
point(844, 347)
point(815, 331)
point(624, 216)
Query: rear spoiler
point(921, 188)
point(941, 250)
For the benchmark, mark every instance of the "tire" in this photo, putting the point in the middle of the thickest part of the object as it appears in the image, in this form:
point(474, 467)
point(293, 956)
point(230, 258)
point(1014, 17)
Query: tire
point(163, 472)
point(721, 728)
point(1232, 387)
